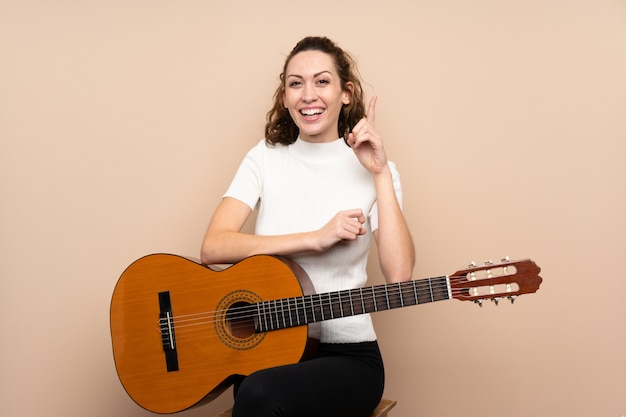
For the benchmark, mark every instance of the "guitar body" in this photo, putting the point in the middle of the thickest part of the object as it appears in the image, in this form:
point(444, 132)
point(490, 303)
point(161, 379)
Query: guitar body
point(207, 346)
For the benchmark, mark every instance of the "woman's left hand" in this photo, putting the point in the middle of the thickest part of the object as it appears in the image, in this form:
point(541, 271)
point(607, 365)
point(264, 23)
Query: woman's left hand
point(366, 144)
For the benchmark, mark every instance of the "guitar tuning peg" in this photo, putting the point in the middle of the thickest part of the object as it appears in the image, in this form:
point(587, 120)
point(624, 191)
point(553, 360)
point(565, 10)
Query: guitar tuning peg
point(512, 298)
point(496, 300)
point(488, 263)
point(479, 302)
point(505, 259)
point(472, 264)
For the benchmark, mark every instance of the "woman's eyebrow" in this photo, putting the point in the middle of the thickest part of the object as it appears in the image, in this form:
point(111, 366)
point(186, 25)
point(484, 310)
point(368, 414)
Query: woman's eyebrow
point(314, 75)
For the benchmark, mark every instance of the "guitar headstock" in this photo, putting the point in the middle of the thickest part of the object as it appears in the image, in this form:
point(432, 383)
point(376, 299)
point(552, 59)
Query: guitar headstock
point(494, 281)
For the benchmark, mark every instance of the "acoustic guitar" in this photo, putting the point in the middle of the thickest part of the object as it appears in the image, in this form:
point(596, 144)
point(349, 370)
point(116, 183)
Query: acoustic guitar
point(181, 331)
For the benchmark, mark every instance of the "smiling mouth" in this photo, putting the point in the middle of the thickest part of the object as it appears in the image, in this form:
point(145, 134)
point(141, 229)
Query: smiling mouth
point(311, 112)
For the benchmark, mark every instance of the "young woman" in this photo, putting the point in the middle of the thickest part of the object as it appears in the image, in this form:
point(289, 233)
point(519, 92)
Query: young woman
point(324, 188)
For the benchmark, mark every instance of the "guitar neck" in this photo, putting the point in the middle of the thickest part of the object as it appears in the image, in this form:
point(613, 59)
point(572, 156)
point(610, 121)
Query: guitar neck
point(298, 311)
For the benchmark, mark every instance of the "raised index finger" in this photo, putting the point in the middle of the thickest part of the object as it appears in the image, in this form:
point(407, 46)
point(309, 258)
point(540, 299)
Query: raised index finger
point(371, 116)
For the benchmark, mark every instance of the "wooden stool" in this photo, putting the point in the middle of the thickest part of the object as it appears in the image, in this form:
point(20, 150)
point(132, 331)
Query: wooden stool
point(381, 409)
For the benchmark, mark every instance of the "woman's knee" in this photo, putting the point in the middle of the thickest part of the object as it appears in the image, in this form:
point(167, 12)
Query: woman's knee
point(254, 398)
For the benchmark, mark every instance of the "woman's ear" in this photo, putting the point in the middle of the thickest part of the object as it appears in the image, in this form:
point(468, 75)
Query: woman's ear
point(348, 92)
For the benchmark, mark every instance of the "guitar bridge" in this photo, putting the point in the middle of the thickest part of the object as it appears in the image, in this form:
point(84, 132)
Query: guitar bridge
point(168, 337)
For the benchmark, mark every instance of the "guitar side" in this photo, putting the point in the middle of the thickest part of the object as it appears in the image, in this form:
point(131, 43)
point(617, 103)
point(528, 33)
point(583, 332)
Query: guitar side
point(208, 347)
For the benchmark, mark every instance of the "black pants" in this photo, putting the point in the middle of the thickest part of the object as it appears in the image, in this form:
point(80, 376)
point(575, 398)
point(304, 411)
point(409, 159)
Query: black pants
point(344, 380)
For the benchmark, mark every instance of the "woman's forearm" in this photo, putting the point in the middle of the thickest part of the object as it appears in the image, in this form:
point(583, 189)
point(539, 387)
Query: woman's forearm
point(233, 246)
point(396, 251)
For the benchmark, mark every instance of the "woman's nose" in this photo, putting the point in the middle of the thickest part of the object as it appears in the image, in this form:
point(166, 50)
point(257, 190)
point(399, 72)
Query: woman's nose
point(308, 94)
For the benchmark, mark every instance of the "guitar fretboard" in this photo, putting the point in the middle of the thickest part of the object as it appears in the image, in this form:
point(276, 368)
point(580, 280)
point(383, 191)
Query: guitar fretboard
point(298, 311)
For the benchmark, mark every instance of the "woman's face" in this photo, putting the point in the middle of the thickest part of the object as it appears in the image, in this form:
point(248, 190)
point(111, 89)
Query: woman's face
point(313, 95)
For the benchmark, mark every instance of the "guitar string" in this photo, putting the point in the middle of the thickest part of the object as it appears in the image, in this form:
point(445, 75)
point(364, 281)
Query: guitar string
point(413, 286)
point(195, 328)
point(314, 299)
point(304, 302)
point(281, 315)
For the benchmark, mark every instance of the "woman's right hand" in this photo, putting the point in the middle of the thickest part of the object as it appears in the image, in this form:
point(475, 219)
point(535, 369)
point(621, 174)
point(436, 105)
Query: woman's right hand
point(345, 225)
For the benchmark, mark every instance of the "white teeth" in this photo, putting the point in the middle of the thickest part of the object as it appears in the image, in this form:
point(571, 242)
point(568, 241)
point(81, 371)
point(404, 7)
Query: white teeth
point(311, 112)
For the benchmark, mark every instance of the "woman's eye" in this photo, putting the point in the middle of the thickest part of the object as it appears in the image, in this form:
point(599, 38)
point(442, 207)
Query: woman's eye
point(294, 83)
point(323, 81)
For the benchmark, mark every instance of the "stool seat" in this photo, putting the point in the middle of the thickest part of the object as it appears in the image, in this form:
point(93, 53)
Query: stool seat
point(381, 409)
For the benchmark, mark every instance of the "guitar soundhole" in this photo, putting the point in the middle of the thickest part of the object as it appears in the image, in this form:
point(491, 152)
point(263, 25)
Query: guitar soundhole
point(234, 320)
point(239, 321)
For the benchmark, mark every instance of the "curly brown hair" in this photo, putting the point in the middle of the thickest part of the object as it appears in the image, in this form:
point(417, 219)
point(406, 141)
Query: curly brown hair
point(280, 127)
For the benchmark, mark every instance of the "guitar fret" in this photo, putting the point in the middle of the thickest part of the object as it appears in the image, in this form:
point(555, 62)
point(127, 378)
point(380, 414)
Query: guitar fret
point(290, 310)
point(264, 318)
point(341, 314)
point(417, 301)
point(362, 300)
point(338, 307)
point(317, 308)
point(351, 304)
point(401, 295)
point(312, 307)
point(282, 314)
point(272, 310)
point(430, 286)
point(371, 306)
point(305, 310)
point(387, 297)
point(264, 323)
point(282, 305)
point(276, 316)
point(266, 327)
point(330, 305)
point(374, 299)
point(295, 303)
point(257, 324)
point(266, 315)
point(272, 314)
point(279, 314)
